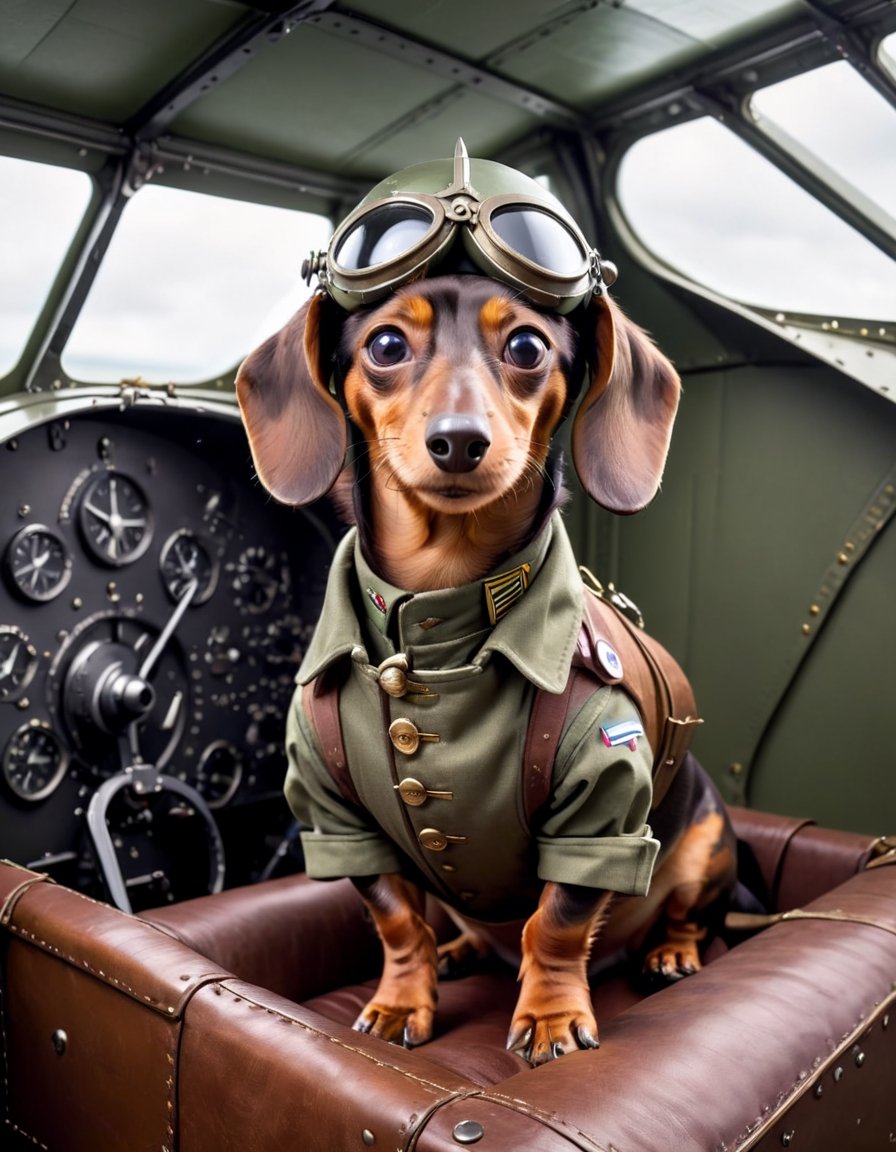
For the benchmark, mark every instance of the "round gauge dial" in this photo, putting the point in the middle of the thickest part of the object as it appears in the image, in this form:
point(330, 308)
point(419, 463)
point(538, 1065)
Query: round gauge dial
point(184, 559)
point(92, 678)
point(114, 518)
point(257, 578)
point(219, 773)
point(34, 761)
point(18, 662)
point(38, 563)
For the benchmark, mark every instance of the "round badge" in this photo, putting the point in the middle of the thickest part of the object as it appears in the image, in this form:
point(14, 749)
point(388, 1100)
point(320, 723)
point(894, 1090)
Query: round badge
point(608, 658)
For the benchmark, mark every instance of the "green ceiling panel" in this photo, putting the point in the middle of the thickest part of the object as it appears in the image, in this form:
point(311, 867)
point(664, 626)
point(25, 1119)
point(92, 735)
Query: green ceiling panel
point(100, 59)
point(485, 127)
point(311, 98)
point(599, 52)
point(470, 28)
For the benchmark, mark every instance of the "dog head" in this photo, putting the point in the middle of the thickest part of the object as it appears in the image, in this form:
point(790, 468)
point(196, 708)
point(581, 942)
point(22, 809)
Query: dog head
point(459, 443)
point(456, 384)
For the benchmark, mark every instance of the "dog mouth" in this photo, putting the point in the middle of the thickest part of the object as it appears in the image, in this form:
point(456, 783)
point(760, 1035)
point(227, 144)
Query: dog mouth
point(453, 493)
point(457, 497)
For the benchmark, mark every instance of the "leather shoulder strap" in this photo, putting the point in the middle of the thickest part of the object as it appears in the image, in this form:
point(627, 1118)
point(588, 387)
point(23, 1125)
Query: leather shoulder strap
point(320, 700)
point(613, 650)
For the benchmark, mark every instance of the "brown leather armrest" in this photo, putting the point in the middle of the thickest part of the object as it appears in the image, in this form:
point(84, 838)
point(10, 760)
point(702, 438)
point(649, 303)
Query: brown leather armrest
point(733, 1057)
point(295, 936)
point(93, 1004)
point(796, 861)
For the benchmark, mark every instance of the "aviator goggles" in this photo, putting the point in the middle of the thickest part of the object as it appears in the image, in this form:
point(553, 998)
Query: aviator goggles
point(517, 238)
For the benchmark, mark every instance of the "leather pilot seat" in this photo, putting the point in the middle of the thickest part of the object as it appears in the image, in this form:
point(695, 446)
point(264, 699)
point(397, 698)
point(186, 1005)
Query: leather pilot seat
point(225, 1023)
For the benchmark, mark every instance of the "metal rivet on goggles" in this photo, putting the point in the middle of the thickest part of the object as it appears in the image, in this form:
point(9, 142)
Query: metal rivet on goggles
point(517, 239)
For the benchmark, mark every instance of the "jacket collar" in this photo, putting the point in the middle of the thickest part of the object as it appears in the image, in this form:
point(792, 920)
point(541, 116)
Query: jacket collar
point(536, 630)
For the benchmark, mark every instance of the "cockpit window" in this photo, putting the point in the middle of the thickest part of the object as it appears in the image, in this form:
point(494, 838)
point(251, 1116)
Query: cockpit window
point(887, 54)
point(189, 284)
point(41, 209)
point(718, 213)
point(847, 129)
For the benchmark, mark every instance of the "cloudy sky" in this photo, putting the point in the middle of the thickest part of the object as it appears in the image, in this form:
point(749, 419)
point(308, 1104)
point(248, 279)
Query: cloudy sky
point(190, 282)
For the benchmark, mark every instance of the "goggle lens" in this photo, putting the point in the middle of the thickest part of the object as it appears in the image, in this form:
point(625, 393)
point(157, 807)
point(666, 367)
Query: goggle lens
point(382, 235)
point(539, 238)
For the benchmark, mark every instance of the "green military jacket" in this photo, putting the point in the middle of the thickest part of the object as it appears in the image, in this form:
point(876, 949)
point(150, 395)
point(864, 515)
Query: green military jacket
point(438, 770)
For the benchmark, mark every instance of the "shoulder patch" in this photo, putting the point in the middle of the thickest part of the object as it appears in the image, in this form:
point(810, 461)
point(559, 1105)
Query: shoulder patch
point(625, 732)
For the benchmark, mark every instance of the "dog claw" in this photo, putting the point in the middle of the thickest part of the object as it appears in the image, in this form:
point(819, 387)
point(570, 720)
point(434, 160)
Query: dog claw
point(536, 1043)
point(405, 1027)
point(585, 1039)
point(520, 1041)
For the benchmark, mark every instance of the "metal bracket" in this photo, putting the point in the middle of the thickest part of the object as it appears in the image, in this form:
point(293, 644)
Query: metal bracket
point(145, 779)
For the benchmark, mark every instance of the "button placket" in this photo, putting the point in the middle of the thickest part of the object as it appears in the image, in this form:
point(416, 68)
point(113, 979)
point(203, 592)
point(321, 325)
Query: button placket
point(393, 677)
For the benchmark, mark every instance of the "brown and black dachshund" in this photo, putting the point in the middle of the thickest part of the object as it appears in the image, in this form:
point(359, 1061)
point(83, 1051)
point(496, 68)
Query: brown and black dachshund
point(455, 386)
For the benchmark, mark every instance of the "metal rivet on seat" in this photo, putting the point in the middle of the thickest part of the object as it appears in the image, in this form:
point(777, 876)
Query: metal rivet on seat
point(368, 1137)
point(468, 1132)
point(60, 1041)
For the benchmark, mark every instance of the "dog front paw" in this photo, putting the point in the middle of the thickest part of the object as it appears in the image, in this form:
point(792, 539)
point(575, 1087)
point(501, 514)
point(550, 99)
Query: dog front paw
point(396, 1024)
point(541, 1038)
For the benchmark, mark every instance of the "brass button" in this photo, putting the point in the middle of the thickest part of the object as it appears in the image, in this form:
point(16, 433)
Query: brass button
point(393, 681)
point(415, 794)
point(406, 736)
point(436, 841)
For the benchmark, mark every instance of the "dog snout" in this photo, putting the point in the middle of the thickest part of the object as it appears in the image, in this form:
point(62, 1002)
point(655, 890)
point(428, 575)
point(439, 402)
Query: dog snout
point(457, 443)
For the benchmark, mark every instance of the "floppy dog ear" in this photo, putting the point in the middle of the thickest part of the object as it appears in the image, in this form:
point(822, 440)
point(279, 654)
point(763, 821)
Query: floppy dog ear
point(621, 432)
point(296, 429)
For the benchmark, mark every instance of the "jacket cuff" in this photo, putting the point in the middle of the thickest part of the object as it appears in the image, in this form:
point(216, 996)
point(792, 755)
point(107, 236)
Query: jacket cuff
point(330, 857)
point(621, 864)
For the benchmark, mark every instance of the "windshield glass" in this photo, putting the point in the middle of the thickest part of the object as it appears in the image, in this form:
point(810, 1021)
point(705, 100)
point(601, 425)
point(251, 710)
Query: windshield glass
point(716, 211)
point(848, 129)
point(189, 285)
point(40, 209)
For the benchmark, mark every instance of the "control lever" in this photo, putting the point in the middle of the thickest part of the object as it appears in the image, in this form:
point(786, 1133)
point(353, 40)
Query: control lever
point(128, 697)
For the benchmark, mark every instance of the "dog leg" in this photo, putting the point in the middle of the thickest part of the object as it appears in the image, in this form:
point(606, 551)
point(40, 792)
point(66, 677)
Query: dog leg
point(703, 863)
point(553, 1014)
point(403, 1008)
point(464, 951)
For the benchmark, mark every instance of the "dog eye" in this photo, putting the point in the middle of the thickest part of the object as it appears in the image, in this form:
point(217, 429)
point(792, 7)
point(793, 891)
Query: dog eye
point(387, 348)
point(525, 349)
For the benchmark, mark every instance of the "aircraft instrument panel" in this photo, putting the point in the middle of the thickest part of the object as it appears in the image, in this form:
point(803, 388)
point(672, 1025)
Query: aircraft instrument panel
point(155, 604)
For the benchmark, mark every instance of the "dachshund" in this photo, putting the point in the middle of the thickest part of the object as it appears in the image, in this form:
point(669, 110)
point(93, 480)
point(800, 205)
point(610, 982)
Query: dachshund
point(453, 388)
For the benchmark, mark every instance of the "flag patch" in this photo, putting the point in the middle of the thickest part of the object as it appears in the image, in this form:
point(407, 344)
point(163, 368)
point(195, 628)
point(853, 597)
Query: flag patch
point(626, 732)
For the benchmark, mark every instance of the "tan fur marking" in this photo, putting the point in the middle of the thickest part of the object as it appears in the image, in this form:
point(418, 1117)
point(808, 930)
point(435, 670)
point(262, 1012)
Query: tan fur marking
point(416, 310)
point(495, 313)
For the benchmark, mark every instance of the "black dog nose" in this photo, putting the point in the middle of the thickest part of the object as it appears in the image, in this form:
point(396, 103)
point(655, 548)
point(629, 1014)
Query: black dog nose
point(457, 443)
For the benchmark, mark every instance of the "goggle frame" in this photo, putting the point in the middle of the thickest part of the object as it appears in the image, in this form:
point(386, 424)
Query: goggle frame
point(460, 206)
